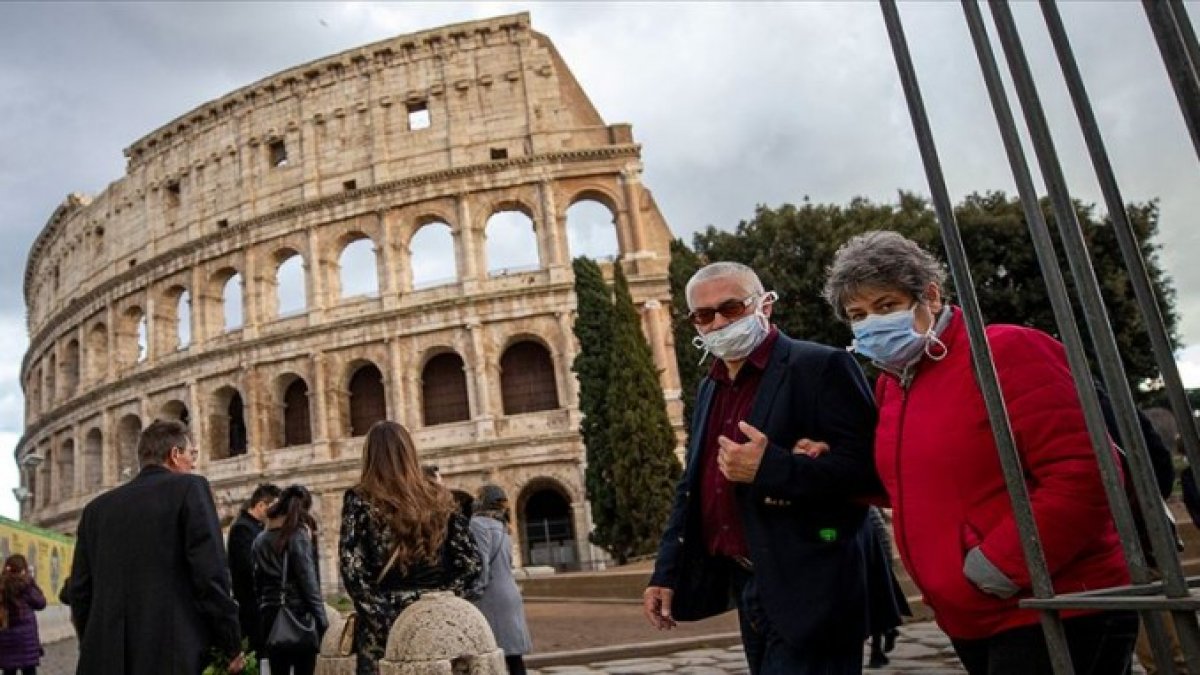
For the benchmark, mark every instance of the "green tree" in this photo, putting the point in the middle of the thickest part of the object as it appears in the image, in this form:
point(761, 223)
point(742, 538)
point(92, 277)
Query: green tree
point(790, 247)
point(594, 331)
point(644, 466)
point(684, 263)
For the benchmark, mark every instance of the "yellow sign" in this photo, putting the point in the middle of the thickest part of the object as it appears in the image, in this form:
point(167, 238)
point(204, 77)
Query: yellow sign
point(49, 553)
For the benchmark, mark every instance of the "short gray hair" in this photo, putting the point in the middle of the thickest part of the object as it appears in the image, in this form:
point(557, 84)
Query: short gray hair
point(880, 259)
point(157, 440)
point(745, 276)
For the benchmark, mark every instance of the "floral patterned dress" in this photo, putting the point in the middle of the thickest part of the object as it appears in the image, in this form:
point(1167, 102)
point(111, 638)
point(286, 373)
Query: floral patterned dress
point(364, 548)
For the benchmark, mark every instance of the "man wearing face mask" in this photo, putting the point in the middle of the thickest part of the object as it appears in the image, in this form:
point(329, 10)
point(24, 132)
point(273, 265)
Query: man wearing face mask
point(775, 534)
point(954, 523)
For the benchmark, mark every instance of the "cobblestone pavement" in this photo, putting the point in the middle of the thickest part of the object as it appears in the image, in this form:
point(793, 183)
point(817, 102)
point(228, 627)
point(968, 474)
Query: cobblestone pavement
point(922, 648)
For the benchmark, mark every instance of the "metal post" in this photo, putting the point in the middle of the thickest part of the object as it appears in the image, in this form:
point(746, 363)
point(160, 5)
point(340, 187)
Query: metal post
point(980, 352)
point(1101, 331)
point(1180, 68)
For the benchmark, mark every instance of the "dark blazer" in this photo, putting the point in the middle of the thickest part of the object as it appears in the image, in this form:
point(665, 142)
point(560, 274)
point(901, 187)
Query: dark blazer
point(813, 590)
point(149, 588)
point(241, 570)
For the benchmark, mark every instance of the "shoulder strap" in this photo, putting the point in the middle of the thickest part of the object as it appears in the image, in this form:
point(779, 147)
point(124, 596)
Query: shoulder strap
point(283, 580)
point(388, 567)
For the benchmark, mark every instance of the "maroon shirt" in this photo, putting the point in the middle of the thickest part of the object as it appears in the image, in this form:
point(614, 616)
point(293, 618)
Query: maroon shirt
point(731, 403)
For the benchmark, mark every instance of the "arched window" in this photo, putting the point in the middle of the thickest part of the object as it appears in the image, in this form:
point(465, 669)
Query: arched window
point(227, 424)
point(231, 297)
point(183, 320)
point(368, 404)
point(291, 295)
point(358, 272)
point(512, 244)
point(527, 380)
point(129, 430)
point(66, 470)
point(297, 423)
point(93, 454)
point(51, 381)
point(592, 231)
point(432, 255)
point(71, 368)
point(444, 390)
point(143, 339)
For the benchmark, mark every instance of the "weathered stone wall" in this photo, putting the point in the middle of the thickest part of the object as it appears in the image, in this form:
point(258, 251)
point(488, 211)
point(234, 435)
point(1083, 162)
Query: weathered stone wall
point(305, 163)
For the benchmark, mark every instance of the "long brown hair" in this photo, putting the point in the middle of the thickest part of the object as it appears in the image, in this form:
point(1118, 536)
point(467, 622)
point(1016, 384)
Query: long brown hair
point(415, 508)
point(13, 580)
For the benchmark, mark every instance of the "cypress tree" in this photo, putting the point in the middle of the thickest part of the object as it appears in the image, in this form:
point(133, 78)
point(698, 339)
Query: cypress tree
point(684, 263)
point(641, 441)
point(593, 330)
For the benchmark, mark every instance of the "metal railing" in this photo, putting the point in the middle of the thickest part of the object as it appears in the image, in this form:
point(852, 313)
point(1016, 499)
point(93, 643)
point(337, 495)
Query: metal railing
point(1148, 595)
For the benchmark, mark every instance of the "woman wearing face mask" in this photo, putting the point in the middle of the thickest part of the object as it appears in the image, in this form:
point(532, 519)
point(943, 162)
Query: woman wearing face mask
point(938, 461)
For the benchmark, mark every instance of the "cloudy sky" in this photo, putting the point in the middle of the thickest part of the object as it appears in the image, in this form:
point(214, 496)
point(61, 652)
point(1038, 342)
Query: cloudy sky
point(735, 104)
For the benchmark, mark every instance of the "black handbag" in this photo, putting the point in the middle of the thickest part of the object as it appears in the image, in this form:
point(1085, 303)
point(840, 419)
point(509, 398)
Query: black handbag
point(289, 632)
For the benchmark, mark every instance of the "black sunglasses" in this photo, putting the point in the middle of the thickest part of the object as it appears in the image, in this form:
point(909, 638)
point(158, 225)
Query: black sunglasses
point(730, 309)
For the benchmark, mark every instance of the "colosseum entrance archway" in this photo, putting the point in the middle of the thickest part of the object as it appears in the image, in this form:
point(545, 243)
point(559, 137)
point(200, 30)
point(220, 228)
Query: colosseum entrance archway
point(547, 532)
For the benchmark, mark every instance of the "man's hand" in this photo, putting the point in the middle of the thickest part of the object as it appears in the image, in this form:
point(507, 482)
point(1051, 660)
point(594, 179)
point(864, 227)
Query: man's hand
point(656, 605)
point(238, 663)
point(739, 461)
point(807, 446)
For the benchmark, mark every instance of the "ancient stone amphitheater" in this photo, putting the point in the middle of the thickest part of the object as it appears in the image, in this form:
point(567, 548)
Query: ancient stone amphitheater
point(383, 233)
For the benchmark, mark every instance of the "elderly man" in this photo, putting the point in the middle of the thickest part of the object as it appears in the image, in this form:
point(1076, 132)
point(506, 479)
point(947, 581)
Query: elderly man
point(755, 525)
point(149, 588)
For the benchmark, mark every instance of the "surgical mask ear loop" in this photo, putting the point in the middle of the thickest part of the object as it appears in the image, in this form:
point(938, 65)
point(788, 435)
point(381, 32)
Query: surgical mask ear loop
point(930, 342)
point(698, 343)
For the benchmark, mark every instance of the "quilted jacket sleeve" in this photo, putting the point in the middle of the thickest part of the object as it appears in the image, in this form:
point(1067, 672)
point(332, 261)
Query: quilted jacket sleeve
point(1062, 474)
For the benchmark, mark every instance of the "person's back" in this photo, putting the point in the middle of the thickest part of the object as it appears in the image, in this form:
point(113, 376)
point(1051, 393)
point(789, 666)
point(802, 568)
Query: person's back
point(20, 597)
point(149, 587)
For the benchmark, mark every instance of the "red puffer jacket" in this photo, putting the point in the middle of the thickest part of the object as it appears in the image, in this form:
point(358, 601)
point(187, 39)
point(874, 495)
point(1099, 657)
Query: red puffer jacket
point(935, 452)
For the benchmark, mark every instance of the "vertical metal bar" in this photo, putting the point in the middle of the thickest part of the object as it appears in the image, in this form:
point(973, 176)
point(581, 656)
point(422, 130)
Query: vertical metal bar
point(1130, 251)
point(1179, 67)
point(1105, 343)
point(1068, 329)
point(981, 354)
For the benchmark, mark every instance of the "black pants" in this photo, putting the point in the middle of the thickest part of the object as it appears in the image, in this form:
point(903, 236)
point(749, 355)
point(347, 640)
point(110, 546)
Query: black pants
point(1100, 644)
point(291, 662)
point(23, 670)
point(515, 664)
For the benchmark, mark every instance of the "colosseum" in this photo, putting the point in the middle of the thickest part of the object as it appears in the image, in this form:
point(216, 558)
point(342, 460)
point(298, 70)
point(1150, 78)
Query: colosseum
point(383, 233)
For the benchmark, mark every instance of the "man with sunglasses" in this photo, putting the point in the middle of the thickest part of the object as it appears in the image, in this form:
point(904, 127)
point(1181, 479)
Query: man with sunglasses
point(755, 526)
point(150, 589)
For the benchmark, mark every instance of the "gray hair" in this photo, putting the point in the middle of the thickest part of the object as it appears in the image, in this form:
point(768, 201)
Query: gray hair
point(727, 269)
point(880, 259)
point(157, 440)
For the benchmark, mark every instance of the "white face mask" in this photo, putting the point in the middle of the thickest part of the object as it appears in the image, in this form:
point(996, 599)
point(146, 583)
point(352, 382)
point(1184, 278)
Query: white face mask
point(737, 340)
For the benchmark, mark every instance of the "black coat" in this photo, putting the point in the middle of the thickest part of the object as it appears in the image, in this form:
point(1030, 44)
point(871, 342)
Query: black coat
point(150, 592)
point(241, 570)
point(814, 591)
point(302, 588)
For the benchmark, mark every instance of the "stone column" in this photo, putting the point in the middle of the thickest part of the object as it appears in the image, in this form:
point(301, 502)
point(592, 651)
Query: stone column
point(554, 254)
point(653, 328)
point(78, 462)
point(568, 385)
point(199, 413)
point(254, 403)
point(396, 394)
point(485, 410)
point(251, 300)
point(314, 276)
point(389, 290)
point(109, 450)
point(110, 367)
point(319, 407)
point(472, 269)
point(632, 182)
point(200, 300)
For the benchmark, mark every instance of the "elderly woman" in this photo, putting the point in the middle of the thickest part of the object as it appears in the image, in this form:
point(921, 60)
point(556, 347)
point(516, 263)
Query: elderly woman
point(938, 461)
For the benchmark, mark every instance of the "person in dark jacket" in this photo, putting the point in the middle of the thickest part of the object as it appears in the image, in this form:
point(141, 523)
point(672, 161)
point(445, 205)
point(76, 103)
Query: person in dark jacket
point(20, 597)
point(289, 542)
point(753, 525)
point(245, 529)
point(150, 590)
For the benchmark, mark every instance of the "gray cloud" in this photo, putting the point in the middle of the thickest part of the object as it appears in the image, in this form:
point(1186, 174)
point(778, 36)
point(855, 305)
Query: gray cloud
point(736, 104)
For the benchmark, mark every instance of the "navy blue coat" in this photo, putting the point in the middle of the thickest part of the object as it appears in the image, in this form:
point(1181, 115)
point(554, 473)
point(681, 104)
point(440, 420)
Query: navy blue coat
point(813, 590)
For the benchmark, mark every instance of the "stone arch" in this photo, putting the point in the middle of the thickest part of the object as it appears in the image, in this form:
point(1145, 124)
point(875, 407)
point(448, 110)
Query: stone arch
point(92, 460)
point(592, 226)
point(97, 352)
point(545, 522)
point(366, 397)
point(174, 323)
point(176, 410)
point(511, 241)
point(227, 430)
point(528, 380)
point(444, 397)
point(70, 368)
point(358, 266)
point(433, 255)
point(66, 469)
point(129, 430)
point(289, 291)
point(294, 421)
